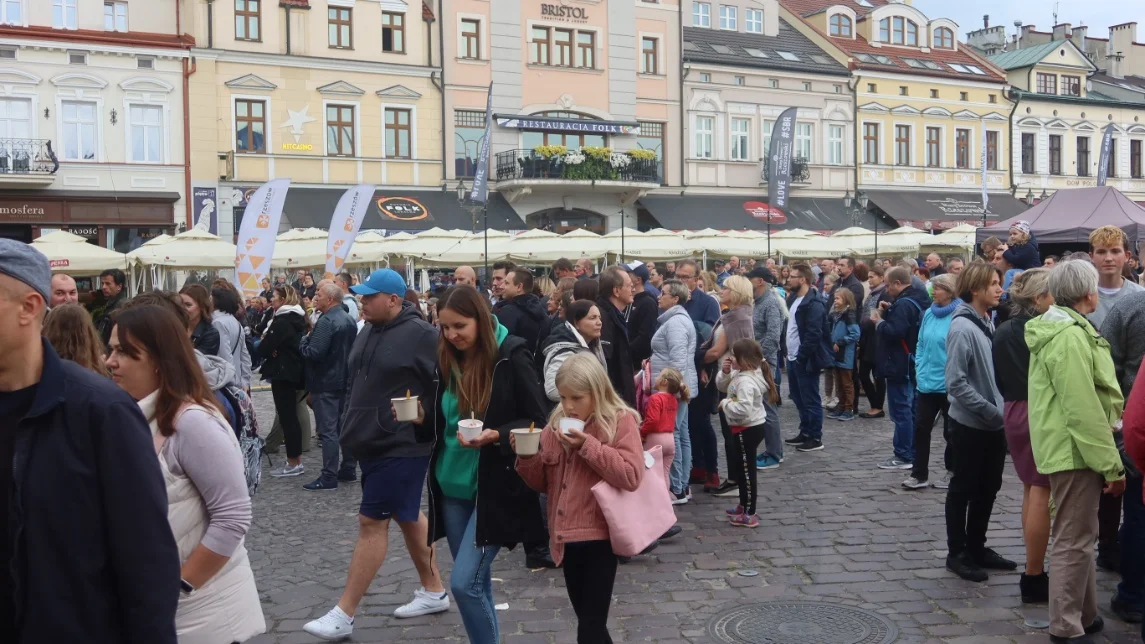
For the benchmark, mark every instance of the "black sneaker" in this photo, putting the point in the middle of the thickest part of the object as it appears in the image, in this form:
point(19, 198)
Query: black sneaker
point(727, 488)
point(1125, 612)
point(1109, 559)
point(1096, 626)
point(673, 531)
point(347, 477)
point(963, 565)
point(539, 557)
point(1036, 589)
point(319, 485)
point(797, 440)
point(868, 415)
point(810, 445)
point(1080, 639)
point(991, 560)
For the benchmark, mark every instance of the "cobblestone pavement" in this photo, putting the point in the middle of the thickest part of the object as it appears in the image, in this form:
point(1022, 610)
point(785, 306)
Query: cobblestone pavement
point(834, 528)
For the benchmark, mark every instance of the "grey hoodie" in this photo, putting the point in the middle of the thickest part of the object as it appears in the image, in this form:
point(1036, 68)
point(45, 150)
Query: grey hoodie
point(974, 397)
point(219, 372)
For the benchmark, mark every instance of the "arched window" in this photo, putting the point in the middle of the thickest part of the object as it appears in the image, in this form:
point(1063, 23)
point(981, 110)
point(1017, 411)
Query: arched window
point(943, 38)
point(841, 25)
point(898, 31)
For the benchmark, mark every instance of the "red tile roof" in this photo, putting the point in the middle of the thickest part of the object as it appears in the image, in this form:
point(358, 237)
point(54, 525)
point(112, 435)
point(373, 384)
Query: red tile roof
point(859, 45)
point(81, 36)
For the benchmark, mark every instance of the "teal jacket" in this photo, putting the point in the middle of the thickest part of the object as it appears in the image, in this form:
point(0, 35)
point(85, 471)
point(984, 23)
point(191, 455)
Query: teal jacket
point(930, 355)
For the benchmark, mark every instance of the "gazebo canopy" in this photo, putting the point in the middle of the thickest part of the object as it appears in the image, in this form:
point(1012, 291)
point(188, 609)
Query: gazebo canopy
point(71, 254)
point(1069, 216)
point(193, 249)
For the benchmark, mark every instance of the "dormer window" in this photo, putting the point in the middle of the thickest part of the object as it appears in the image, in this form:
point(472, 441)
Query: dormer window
point(898, 31)
point(841, 25)
point(943, 38)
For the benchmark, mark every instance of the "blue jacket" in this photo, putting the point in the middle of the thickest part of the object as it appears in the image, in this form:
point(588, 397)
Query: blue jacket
point(703, 307)
point(930, 356)
point(1024, 257)
point(814, 334)
point(327, 351)
point(845, 334)
point(898, 333)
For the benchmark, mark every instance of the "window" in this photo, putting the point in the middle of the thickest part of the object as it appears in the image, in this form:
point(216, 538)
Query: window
point(902, 145)
point(340, 27)
point(1083, 156)
point(753, 21)
point(586, 49)
point(115, 16)
point(871, 143)
point(1055, 154)
point(562, 47)
point(806, 86)
point(15, 119)
point(146, 123)
point(728, 18)
point(539, 46)
point(79, 130)
point(1071, 86)
point(903, 90)
point(841, 25)
point(340, 130)
point(838, 89)
point(934, 93)
point(803, 141)
point(649, 48)
point(470, 39)
point(247, 20)
point(64, 14)
point(1135, 159)
point(10, 12)
point(468, 128)
point(911, 34)
point(774, 83)
point(701, 14)
point(77, 58)
point(943, 38)
point(767, 127)
point(835, 150)
point(739, 138)
point(740, 80)
point(1028, 154)
point(145, 63)
point(651, 137)
point(1047, 83)
point(786, 55)
point(962, 148)
point(705, 77)
point(991, 150)
point(250, 126)
point(898, 31)
point(703, 144)
point(993, 98)
point(933, 147)
point(872, 88)
point(398, 133)
point(393, 32)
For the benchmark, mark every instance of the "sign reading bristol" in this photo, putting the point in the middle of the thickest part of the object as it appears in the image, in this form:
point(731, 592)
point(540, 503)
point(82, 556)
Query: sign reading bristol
point(564, 11)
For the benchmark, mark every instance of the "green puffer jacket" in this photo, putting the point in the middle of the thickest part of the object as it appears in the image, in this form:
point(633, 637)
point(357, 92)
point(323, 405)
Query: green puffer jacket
point(1074, 396)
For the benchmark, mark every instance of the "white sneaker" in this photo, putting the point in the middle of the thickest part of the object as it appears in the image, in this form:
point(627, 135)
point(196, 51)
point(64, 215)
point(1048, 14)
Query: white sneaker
point(942, 483)
point(915, 484)
point(335, 625)
point(288, 470)
point(424, 603)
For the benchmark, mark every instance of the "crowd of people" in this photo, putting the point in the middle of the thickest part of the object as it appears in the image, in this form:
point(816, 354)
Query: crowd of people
point(1021, 355)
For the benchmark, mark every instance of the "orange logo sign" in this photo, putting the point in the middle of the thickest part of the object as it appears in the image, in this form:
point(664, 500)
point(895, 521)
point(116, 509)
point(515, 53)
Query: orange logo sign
point(263, 221)
point(349, 227)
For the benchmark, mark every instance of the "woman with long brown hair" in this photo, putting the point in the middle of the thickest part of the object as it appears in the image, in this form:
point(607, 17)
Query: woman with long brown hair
point(70, 331)
point(282, 366)
point(197, 301)
point(209, 508)
point(488, 376)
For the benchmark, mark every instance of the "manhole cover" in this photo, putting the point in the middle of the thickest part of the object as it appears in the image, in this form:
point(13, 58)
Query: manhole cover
point(791, 622)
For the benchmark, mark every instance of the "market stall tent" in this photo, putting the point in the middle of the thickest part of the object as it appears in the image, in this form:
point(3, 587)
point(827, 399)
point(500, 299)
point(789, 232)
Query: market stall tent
point(71, 254)
point(1069, 216)
point(300, 247)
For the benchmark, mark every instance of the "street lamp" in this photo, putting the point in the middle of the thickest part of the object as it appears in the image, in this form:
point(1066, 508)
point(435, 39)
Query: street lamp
point(1030, 198)
point(1044, 195)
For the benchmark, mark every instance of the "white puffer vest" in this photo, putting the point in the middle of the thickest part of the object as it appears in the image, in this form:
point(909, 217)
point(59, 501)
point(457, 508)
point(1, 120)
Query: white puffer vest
point(226, 609)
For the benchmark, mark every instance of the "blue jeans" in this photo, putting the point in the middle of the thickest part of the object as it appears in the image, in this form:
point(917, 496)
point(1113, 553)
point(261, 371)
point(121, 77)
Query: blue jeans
point(471, 580)
point(900, 406)
point(803, 388)
point(328, 417)
point(682, 462)
point(1131, 590)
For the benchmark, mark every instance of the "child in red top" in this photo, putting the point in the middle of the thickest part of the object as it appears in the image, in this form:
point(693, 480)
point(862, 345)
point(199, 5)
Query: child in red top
point(659, 426)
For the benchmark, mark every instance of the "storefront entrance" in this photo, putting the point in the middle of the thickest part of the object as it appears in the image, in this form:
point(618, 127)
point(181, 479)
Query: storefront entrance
point(560, 221)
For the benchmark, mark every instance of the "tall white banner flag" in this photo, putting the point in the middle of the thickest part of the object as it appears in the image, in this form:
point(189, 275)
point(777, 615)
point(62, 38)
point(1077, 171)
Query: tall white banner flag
point(985, 160)
point(257, 235)
point(344, 226)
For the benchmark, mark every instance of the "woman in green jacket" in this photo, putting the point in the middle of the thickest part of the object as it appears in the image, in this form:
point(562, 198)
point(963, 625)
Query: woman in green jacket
point(1074, 403)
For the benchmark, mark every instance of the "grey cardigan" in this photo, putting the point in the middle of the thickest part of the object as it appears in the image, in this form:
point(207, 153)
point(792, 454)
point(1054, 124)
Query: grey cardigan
point(232, 345)
point(767, 322)
point(674, 345)
point(974, 397)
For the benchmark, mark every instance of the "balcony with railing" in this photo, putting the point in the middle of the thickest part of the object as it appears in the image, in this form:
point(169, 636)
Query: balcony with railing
point(800, 170)
point(27, 162)
point(556, 168)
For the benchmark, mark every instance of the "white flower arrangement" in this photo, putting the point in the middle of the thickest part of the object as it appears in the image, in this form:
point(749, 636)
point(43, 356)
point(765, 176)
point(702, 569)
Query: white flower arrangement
point(574, 158)
point(619, 160)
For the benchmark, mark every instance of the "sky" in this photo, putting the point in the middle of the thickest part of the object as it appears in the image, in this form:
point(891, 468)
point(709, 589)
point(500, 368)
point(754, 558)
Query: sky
point(1099, 15)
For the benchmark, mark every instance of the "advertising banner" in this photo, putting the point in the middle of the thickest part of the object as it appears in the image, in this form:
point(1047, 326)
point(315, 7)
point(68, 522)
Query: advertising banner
point(1106, 152)
point(779, 159)
point(983, 161)
point(257, 234)
point(344, 226)
point(481, 176)
point(205, 204)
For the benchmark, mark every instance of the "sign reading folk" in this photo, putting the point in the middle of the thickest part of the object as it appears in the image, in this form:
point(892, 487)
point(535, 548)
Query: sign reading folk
point(402, 208)
point(586, 126)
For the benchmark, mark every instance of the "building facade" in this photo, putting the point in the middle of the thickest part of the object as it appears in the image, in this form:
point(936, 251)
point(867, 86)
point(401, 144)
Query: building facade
point(586, 98)
point(92, 119)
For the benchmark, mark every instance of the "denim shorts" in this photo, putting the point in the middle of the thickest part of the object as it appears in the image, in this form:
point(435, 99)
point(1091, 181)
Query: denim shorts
point(391, 487)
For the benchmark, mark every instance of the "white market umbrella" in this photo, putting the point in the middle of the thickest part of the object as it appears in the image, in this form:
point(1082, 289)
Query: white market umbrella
point(526, 247)
point(300, 248)
point(191, 250)
point(905, 230)
point(370, 247)
point(470, 250)
point(853, 231)
point(71, 254)
point(795, 233)
point(433, 242)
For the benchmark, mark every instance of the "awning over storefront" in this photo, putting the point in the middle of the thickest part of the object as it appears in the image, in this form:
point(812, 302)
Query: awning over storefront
point(399, 210)
point(696, 212)
point(942, 210)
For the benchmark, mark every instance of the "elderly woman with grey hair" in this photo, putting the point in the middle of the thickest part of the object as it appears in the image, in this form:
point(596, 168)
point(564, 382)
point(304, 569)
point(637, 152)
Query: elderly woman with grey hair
point(674, 346)
point(1075, 404)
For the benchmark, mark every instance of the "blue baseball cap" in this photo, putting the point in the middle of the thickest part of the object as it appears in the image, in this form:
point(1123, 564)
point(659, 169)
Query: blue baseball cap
point(383, 280)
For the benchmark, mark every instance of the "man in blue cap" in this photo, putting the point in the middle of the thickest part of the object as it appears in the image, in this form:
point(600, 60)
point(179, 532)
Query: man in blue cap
point(395, 354)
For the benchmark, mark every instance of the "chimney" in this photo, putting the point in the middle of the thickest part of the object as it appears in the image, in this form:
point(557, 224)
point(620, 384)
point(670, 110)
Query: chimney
point(986, 21)
point(1061, 32)
point(1078, 36)
point(1121, 39)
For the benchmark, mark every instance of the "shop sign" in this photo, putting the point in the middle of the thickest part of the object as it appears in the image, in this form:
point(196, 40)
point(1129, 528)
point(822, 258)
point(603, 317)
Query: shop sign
point(402, 209)
point(23, 212)
point(564, 12)
point(204, 202)
point(59, 263)
point(957, 207)
point(584, 126)
point(760, 210)
point(297, 147)
point(90, 232)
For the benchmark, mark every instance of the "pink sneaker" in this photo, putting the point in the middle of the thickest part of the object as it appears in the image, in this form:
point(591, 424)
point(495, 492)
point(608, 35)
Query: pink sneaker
point(734, 512)
point(745, 521)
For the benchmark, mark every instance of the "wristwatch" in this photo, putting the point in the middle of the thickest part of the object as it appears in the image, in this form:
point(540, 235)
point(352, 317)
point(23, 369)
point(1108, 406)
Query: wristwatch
point(185, 587)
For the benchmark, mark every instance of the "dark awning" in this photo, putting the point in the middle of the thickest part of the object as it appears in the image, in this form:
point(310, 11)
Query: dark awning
point(940, 210)
point(399, 210)
point(695, 212)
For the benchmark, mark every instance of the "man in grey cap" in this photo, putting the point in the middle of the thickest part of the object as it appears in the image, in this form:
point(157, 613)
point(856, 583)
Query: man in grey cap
point(89, 553)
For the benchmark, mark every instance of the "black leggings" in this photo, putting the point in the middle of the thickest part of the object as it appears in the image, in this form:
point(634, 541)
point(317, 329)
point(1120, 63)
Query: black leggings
point(742, 463)
point(979, 458)
point(929, 406)
point(285, 396)
point(874, 388)
point(590, 571)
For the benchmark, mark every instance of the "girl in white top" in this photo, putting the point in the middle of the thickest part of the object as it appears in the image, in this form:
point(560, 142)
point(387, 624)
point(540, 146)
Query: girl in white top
point(746, 378)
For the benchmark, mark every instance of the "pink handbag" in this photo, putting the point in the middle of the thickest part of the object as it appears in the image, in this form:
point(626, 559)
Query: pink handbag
point(636, 519)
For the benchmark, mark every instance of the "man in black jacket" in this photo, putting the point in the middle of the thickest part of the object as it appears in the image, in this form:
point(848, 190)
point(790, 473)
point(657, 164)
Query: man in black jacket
point(897, 325)
point(808, 337)
point(325, 352)
point(521, 312)
point(642, 316)
point(112, 283)
point(615, 296)
point(88, 553)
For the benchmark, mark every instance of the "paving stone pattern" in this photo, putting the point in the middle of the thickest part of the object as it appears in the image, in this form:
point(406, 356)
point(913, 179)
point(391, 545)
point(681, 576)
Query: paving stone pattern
point(834, 528)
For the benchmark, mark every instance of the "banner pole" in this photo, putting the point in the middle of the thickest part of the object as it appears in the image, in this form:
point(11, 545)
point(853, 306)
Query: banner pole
point(485, 223)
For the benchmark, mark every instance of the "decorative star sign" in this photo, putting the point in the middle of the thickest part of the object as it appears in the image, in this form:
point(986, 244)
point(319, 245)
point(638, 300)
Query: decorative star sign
point(297, 121)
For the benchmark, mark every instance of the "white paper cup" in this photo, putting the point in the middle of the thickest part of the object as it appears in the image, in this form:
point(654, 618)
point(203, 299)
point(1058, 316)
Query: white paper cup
point(571, 423)
point(528, 443)
point(470, 428)
point(406, 408)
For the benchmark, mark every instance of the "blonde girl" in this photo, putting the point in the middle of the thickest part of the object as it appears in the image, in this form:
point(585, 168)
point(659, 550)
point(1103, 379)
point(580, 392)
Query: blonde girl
point(741, 377)
point(567, 467)
point(659, 424)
